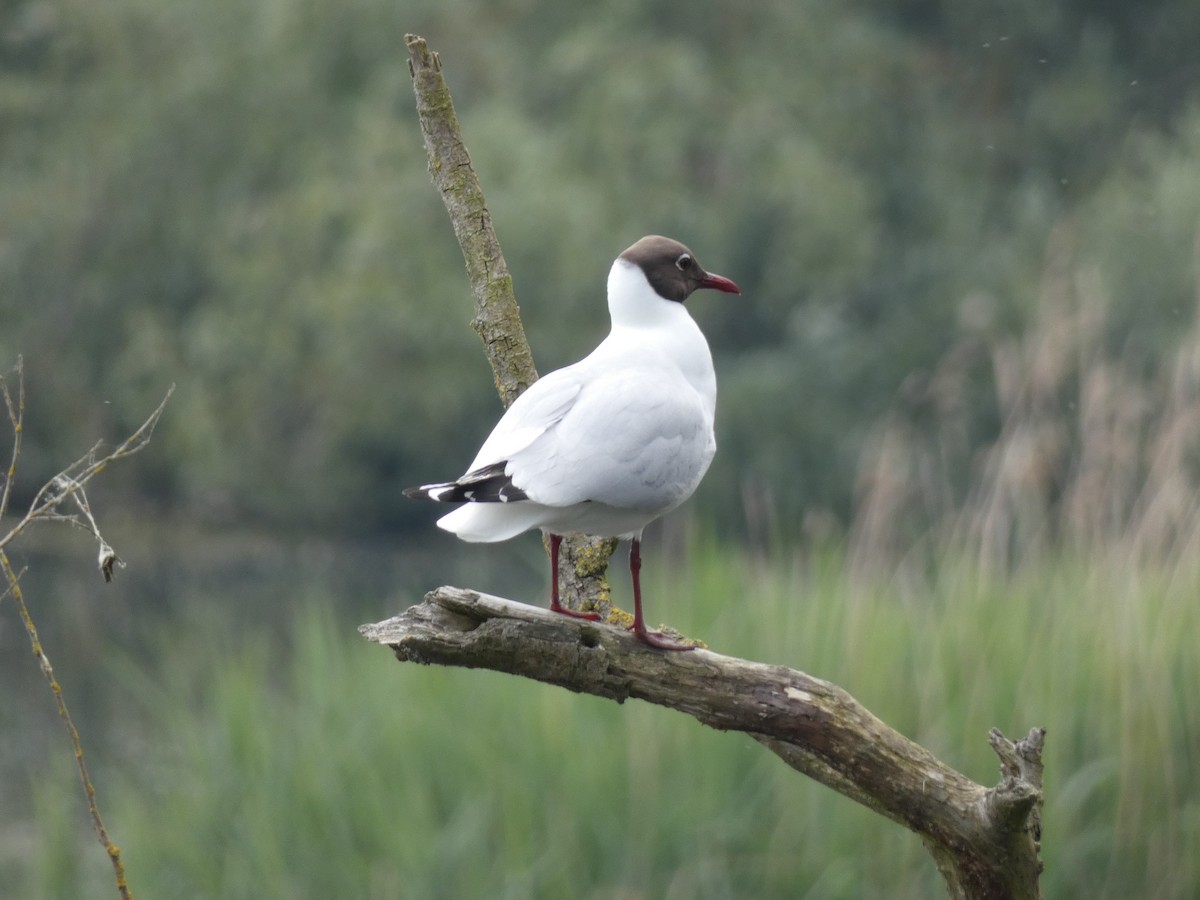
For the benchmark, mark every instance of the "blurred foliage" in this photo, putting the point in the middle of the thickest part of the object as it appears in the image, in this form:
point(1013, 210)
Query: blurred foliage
point(234, 197)
point(286, 758)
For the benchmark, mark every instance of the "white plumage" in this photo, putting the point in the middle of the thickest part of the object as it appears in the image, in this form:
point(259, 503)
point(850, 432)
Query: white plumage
point(609, 444)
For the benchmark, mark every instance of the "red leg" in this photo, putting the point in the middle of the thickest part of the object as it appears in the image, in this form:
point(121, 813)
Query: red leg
point(555, 606)
point(643, 634)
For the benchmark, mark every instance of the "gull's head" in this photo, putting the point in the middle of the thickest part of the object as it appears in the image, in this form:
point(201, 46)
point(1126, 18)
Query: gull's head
point(658, 268)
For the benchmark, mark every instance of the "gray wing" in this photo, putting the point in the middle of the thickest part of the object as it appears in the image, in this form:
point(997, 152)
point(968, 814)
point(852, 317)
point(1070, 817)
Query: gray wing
point(628, 440)
point(539, 409)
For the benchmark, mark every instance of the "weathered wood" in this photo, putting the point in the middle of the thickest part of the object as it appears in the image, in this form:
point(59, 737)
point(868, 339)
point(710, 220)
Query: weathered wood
point(981, 839)
point(497, 320)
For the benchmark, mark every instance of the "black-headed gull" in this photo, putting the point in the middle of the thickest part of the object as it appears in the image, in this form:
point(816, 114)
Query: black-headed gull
point(609, 444)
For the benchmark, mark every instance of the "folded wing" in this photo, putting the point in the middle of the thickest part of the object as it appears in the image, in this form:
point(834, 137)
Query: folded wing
point(626, 441)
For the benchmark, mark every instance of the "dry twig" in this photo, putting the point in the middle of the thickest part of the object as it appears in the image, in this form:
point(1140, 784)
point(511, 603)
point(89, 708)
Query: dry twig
point(89, 790)
point(70, 482)
point(67, 485)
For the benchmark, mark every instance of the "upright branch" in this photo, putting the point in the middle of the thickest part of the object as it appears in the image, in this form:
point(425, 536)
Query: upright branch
point(110, 847)
point(583, 561)
point(983, 841)
point(497, 319)
point(16, 417)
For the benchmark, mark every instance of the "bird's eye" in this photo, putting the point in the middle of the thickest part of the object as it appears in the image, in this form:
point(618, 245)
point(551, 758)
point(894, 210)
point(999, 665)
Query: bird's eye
point(683, 263)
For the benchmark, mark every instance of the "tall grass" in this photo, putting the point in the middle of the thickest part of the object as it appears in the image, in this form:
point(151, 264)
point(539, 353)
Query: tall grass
point(1096, 448)
point(307, 763)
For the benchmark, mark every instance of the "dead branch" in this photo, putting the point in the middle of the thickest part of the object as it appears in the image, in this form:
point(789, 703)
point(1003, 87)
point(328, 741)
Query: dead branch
point(67, 485)
point(497, 320)
point(89, 789)
point(583, 561)
point(984, 841)
point(16, 416)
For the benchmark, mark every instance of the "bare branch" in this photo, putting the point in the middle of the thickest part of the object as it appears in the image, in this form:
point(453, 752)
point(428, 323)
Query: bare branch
point(70, 482)
point(67, 484)
point(16, 416)
point(583, 560)
point(497, 319)
point(113, 851)
point(984, 842)
point(977, 835)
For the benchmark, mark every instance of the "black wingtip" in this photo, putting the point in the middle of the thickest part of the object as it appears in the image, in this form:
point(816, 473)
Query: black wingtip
point(489, 484)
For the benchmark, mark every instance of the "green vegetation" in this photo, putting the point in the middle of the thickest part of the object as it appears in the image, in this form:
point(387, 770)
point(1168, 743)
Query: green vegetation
point(962, 380)
point(234, 198)
point(330, 770)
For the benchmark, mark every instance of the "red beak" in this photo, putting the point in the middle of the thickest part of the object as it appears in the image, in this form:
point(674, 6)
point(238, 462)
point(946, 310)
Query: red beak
point(719, 283)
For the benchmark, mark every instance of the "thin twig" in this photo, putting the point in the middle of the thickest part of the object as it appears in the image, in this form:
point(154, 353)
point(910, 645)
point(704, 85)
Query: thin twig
point(113, 851)
point(67, 484)
point(108, 557)
point(71, 480)
point(16, 415)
